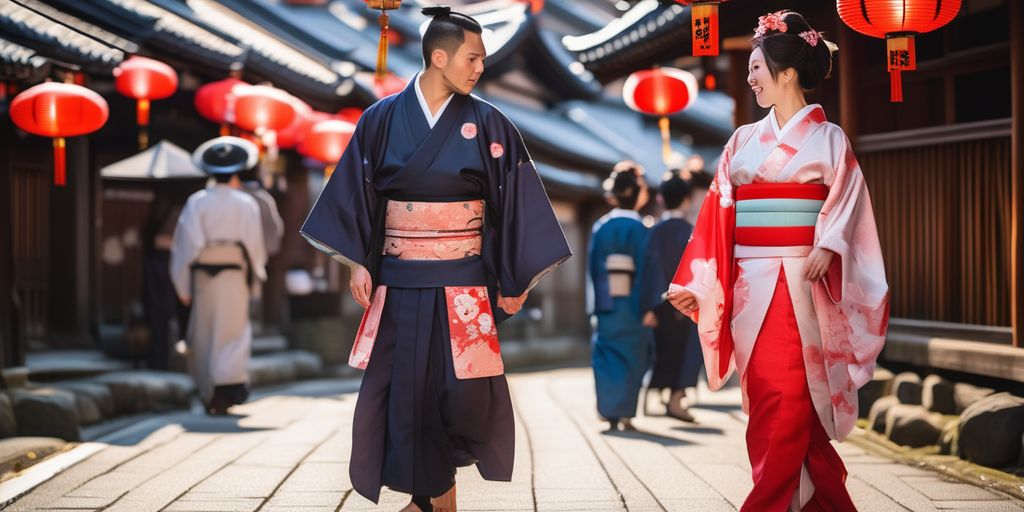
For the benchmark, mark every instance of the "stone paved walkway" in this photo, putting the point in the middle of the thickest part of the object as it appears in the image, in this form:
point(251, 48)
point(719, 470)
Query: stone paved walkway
point(289, 452)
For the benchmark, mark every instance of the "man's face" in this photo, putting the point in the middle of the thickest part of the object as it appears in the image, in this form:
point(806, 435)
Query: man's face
point(462, 70)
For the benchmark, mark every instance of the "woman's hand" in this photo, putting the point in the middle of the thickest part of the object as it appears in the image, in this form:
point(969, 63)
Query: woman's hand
point(650, 320)
point(817, 263)
point(683, 300)
point(361, 286)
point(512, 305)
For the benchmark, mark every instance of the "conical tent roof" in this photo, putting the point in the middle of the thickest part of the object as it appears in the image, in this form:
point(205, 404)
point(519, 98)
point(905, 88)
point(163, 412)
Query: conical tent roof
point(164, 160)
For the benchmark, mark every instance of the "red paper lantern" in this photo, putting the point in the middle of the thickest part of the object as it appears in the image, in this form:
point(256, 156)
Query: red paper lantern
point(290, 136)
point(216, 101)
point(59, 110)
point(261, 108)
point(326, 141)
point(660, 92)
point(703, 25)
point(536, 6)
point(350, 114)
point(391, 84)
point(898, 21)
point(145, 79)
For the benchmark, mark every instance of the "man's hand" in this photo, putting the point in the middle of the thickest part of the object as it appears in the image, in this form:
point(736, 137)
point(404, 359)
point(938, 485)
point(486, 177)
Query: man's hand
point(817, 263)
point(361, 286)
point(650, 320)
point(512, 305)
point(683, 300)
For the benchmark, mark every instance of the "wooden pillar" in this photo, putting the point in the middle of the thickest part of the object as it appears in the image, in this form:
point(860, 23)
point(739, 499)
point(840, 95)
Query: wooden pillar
point(1017, 170)
point(12, 348)
point(70, 295)
point(848, 105)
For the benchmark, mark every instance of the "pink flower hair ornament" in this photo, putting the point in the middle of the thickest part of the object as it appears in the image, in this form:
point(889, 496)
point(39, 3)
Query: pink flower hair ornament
point(811, 36)
point(770, 21)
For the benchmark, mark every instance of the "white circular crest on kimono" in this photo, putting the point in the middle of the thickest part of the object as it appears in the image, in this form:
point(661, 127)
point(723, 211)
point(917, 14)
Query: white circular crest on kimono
point(468, 130)
point(497, 150)
point(466, 307)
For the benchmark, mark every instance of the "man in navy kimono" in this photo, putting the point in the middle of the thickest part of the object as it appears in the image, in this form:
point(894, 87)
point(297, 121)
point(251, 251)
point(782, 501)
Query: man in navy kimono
point(438, 210)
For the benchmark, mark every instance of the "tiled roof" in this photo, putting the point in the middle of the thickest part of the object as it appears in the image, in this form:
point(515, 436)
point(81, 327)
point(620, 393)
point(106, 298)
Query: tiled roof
point(646, 34)
point(51, 38)
point(19, 62)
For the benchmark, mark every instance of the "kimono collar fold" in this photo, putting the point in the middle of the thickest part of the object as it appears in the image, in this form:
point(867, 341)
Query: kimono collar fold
point(431, 118)
point(780, 132)
point(622, 212)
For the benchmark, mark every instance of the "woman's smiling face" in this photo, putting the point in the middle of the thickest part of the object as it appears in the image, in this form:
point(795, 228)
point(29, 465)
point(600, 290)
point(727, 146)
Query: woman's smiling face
point(760, 79)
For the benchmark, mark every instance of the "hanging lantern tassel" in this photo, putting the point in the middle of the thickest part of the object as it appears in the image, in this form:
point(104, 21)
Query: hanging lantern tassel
point(382, 47)
point(60, 162)
point(895, 86)
point(142, 116)
point(666, 148)
point(704, 28)
point(902, 57)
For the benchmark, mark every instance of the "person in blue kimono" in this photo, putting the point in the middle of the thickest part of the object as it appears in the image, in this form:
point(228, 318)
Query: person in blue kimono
point(434, 205)
point(623, 298)
point(677, 355)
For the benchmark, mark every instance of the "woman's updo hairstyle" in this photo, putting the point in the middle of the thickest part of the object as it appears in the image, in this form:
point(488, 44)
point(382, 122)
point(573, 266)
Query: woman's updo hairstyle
point(623, 186)
point(788, 41)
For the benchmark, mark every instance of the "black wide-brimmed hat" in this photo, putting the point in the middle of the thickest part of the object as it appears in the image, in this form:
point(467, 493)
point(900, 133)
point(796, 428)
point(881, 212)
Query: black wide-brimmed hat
point(226, 155)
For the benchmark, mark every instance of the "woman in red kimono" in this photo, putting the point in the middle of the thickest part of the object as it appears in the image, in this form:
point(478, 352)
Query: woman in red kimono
point(785, 279)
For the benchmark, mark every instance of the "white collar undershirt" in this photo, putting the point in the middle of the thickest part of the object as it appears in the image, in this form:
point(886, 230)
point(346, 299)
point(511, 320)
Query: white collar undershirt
point(781, 132)
point(431, 119)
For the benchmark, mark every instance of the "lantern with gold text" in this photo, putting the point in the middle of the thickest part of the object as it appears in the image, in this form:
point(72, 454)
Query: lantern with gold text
point(145, 79)
point(703, 26)
point(898, 21)
point(59, 110)
point(660, 92)
point(215, 101)
point(326, 142)
point(382, 46)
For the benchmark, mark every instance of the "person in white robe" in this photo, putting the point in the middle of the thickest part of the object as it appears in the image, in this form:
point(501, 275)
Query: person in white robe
point(218, 253)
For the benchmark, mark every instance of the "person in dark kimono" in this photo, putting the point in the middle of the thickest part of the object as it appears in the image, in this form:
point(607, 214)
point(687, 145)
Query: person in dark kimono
point(677, 356)
point(623, 298)
point(438, 210)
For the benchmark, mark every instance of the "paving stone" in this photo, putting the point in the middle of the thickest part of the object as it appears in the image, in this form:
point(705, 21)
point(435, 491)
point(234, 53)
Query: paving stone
point(879, 411)
point(937, 395)
point(288, 452)
point(966, 394)
point(46, 412)
point(937, 489)
point(8, 423)
point(880, 385)
point(991, 431)
point(907, 388)
point(913, 426)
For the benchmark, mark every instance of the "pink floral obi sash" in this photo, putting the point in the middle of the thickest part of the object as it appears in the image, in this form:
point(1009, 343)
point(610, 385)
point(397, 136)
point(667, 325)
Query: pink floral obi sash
point(437, 245)
point(434, 231)
point(777, 219)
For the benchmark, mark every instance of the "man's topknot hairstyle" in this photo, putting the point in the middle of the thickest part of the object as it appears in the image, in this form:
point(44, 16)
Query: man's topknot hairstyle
point(445, 31)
